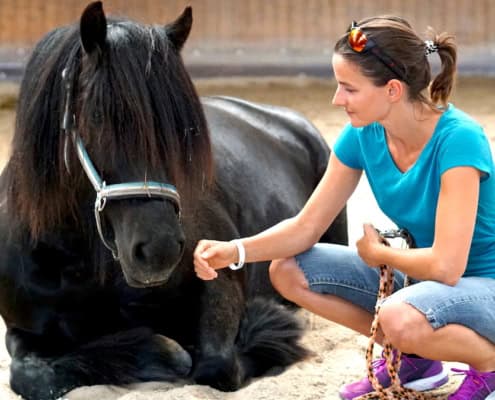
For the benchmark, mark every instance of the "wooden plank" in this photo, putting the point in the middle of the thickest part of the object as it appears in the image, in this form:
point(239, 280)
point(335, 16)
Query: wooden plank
point(257, 22)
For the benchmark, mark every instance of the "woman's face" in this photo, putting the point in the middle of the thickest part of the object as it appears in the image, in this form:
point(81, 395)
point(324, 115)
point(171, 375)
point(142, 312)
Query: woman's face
point(362, 100)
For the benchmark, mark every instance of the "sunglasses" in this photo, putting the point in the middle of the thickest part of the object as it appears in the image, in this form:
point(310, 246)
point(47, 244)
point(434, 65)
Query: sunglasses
point(360, 43)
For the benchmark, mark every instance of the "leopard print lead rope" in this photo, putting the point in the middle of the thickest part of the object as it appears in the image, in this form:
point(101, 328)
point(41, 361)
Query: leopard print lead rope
point(396, 391)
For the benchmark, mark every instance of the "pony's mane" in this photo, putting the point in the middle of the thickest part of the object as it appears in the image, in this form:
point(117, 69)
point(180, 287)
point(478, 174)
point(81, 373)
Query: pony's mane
point(133, 98)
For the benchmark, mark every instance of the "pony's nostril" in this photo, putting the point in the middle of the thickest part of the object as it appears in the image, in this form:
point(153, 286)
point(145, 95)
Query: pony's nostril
point(140, 253)
point(155, 252)
point(182, 244)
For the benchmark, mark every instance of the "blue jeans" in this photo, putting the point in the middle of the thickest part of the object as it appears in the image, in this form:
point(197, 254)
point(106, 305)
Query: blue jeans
point(339, 271)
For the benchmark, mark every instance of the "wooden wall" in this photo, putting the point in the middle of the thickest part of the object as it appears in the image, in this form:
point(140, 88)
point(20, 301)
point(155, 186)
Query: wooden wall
point(256, 22)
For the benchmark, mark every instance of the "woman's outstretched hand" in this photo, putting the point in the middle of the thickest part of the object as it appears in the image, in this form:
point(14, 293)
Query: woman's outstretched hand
point(211, 255)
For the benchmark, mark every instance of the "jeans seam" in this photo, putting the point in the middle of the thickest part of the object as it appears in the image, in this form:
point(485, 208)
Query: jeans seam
point(463, 300)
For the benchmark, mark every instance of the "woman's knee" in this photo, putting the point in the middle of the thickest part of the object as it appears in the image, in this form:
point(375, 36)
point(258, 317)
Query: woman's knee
point(287, 278)
point(404, 326)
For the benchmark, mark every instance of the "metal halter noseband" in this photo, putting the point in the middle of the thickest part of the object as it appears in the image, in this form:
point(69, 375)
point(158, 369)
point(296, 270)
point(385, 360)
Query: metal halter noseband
point(106, 192)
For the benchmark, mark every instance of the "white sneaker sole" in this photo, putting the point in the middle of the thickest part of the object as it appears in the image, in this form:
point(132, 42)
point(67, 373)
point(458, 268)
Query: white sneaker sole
point(429, 383)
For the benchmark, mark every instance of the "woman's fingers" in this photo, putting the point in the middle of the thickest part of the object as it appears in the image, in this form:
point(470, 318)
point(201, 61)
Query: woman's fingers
point(201, 265)
point(204, 271)
point(210, 255)
point(199, 258)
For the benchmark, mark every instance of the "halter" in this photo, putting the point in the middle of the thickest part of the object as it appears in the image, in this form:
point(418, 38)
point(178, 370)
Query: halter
point(104, 192)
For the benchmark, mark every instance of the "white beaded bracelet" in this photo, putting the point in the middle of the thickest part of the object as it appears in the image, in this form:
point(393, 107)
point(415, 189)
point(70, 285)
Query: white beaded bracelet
point(242, 255)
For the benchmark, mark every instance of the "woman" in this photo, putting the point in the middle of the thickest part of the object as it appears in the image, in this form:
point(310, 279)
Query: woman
point(430, 168)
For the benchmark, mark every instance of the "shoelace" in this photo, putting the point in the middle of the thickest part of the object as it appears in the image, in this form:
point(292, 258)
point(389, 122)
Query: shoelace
point(381, 362)
point(473, 380)
point(377, 364)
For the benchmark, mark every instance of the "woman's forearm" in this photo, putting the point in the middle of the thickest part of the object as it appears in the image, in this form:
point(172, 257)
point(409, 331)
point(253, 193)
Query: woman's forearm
point(285, 239)
point(422, 264)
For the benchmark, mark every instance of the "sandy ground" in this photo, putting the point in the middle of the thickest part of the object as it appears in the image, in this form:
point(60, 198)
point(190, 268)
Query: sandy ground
point(339, 353)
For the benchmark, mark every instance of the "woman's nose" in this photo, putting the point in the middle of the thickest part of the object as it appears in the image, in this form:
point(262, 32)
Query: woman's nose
point(338, 99)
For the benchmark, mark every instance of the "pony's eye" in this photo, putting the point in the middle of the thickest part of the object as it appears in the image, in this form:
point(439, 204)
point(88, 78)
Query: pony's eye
point(97, 118)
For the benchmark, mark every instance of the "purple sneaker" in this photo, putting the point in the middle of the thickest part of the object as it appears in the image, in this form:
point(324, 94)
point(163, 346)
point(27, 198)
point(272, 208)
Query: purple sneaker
point(475, 386)
point(415, 373)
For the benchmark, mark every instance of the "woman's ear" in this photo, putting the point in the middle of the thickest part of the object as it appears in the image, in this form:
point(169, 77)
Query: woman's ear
point(395, 90)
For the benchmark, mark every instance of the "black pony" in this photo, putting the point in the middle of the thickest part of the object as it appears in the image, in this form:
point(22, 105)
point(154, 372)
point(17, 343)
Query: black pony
point(104, 292)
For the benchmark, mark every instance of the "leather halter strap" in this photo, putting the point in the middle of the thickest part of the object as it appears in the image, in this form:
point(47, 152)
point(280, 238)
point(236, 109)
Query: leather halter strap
point(104, 192)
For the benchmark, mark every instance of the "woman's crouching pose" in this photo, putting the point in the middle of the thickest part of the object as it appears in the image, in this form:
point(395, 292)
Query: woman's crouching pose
point(430, 168)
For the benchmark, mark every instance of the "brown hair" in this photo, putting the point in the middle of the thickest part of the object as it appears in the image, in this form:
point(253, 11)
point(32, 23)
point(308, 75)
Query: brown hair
point(395, 37)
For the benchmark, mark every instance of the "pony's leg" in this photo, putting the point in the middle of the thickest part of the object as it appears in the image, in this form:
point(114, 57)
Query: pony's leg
point(137, 355)
point(240, 340)
point(216, 360)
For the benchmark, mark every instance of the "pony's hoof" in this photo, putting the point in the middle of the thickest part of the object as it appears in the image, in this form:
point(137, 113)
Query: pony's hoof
point(220, 373)
point(35, 379)
point(178, 360)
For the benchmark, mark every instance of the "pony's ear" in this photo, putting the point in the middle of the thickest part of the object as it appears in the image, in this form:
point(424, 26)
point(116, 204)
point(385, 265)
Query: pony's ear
point(178, 31)
point(93, 27)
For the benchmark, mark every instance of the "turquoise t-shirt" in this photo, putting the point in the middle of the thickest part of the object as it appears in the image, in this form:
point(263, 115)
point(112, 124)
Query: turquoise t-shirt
point(410, 198)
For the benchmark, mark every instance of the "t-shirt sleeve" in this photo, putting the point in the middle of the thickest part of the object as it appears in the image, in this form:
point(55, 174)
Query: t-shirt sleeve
point(347, 147)
point(466, 145)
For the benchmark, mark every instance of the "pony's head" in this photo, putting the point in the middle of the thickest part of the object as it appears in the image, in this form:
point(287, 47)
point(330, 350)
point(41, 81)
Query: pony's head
point(135, 111)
